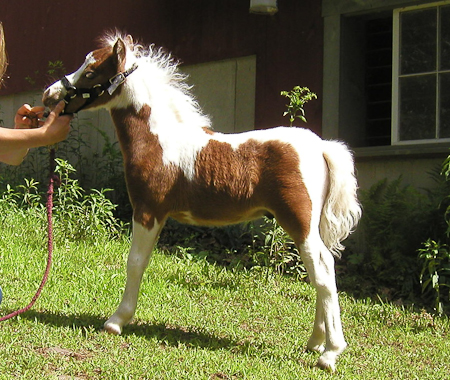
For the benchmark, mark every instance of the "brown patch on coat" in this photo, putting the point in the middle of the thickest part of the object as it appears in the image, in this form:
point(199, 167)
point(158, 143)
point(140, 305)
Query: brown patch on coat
point(151, 184)
point(234, 185)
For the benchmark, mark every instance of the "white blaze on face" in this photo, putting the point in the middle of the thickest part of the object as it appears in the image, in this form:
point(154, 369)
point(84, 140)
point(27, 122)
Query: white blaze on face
point(73, 78)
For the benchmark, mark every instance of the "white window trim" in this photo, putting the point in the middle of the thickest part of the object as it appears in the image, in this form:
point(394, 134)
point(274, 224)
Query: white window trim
point(395, 138)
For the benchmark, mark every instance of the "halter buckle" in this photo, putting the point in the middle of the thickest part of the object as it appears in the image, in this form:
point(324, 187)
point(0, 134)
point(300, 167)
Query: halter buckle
point(115, 81)
point(119, 78)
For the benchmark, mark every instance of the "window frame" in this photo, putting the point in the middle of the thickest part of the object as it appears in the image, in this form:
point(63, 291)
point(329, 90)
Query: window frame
point(395, 127)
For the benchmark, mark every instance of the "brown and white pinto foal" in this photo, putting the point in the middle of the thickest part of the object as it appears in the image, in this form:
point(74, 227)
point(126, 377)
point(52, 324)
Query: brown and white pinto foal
point(177, 167)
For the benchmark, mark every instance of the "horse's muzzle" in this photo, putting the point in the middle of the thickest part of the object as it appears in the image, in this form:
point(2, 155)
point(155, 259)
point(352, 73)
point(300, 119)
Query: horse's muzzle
point(51, 97)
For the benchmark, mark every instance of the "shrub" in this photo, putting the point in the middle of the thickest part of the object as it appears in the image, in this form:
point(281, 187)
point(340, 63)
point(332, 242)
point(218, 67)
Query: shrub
point(77, 214)
point(435, 254)
point(80, 214)
point(435, 274)
point(397, 219)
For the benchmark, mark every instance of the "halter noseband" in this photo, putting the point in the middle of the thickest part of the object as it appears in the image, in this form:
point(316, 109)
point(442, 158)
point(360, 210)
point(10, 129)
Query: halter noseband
point(90, 94)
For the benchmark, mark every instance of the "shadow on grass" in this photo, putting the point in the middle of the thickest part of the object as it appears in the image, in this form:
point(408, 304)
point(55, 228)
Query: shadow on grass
point(167, 335)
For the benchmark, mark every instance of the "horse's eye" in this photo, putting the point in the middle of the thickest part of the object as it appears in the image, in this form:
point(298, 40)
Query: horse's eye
point(90, 75)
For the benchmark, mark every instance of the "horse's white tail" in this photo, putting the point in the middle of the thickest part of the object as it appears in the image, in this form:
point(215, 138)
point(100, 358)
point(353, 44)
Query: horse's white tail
point(341, 210)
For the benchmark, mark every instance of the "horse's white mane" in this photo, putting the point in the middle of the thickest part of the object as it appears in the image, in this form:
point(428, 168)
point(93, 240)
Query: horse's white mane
point(149, 54)
point(164, 64)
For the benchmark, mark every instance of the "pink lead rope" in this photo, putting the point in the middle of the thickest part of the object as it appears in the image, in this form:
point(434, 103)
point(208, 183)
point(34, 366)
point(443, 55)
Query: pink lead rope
point(53, 178)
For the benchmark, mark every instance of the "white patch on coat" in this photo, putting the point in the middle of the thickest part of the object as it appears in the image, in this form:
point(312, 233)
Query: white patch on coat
point(182, 143)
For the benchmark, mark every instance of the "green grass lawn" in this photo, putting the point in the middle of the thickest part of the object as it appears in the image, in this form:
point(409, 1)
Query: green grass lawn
point(194, 320)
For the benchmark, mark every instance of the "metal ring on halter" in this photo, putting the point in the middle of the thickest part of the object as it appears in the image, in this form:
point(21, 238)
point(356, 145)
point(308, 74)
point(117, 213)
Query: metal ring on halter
point(101, 87)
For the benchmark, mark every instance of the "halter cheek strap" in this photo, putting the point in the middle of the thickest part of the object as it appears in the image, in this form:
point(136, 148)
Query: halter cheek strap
point(91, 94)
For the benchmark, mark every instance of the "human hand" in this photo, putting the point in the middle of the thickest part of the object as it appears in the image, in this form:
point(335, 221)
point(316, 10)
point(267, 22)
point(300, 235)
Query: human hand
point(29, 117)
point(56, 127)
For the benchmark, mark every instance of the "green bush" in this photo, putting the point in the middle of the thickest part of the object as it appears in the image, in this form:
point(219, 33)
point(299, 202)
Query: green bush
point(434, 255)
point(405, 239)
point(435, 274)
point(397, 218)
point(78, 214)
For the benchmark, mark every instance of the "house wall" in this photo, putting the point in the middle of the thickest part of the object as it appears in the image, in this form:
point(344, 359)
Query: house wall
point(226, 90)
point(414, 171)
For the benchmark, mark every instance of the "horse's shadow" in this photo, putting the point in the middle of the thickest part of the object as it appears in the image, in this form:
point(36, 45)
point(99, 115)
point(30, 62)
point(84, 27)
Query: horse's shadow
point(166, 334)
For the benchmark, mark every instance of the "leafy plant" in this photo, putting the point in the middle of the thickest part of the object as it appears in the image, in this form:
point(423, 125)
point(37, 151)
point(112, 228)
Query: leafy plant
point(56, 69)
point(435, 274)
point(435, 255)
point(30, 196)
point(78, 214)
point(83, 215)
point(298, 97)
point(273, 248)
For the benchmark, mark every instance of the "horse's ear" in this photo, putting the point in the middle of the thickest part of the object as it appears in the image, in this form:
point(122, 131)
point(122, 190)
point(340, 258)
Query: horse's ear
point(120, 51)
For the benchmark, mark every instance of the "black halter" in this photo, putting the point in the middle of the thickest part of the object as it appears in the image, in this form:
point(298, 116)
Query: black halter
point(90, 94)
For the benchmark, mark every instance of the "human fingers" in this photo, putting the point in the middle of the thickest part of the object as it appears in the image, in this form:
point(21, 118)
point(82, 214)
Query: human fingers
point(59, 108)
point(38, 110)
point(21, 114)
point(28, 117)
point(24, 109)
point(36, 115)
point(55, 112)
point(61, 123)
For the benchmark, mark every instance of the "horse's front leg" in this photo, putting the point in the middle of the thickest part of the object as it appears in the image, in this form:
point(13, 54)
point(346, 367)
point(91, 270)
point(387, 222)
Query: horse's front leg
point(143, 241)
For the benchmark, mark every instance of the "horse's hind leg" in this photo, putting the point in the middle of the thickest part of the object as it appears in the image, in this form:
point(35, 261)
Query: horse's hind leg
point(316, 342)
point(319, 263)
point(143, 241)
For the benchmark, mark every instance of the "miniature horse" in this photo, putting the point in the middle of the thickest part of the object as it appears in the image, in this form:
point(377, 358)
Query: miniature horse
point(176, 166)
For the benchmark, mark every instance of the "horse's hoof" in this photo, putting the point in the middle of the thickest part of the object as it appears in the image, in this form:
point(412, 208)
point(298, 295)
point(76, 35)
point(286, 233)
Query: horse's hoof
point(326, 364)
point(112, 328)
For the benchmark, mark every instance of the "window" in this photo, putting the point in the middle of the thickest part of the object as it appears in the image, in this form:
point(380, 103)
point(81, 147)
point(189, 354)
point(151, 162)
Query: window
point(421, 74)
